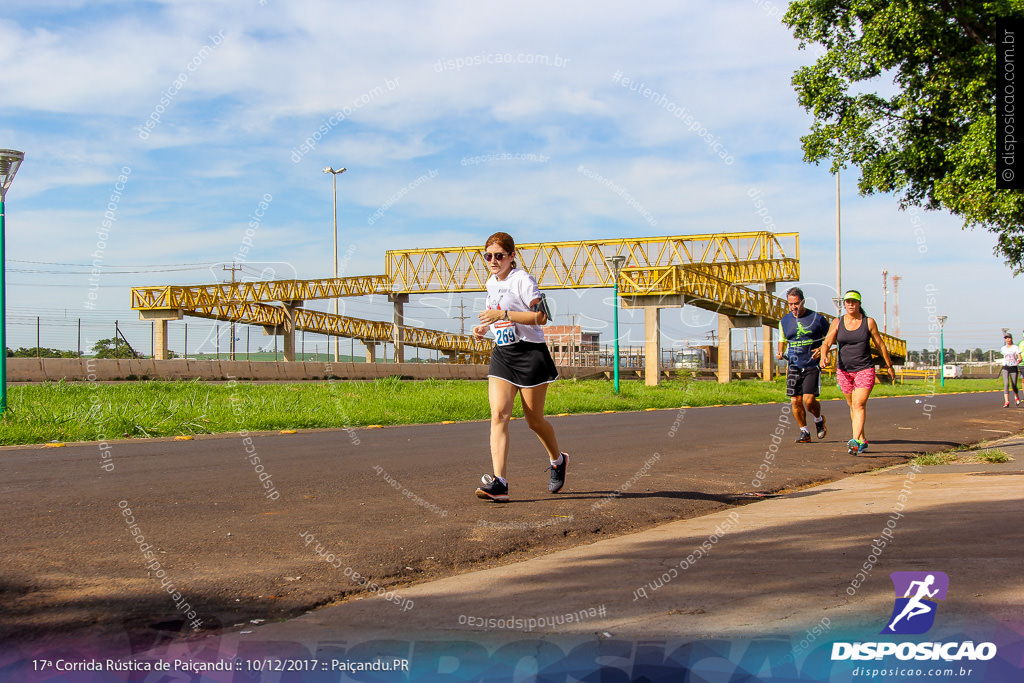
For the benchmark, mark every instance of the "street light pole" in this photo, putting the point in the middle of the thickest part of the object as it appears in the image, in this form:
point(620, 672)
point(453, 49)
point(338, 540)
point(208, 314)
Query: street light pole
point(10, 160)
point(942, 349)
point(337, 341)
point(839, 260)
point(615, 264)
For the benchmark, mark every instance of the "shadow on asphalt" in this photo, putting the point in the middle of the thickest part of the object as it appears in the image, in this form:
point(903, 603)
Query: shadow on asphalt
point(726, 498)
point(807, 563)
point(805, 494)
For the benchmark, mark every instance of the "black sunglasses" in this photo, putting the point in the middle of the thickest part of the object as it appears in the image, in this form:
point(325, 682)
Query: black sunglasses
point(494, 255)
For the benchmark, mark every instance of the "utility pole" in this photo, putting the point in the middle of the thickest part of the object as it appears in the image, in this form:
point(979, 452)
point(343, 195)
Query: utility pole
point(896, 304)
point(233, 268)
point(462, 318)
point(885, 301)
point(839, 260)
point(570, 342)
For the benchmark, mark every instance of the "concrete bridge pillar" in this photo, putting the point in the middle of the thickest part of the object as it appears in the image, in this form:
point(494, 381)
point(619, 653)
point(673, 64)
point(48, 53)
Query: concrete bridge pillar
point(288, 329)
point(652, 305)
point(652, 345)
point(397, 337)
point(768, 350)
point(725, 325)
point(160, 318)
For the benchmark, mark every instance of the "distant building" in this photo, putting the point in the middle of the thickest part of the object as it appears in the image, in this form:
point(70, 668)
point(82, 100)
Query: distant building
point(570, 345)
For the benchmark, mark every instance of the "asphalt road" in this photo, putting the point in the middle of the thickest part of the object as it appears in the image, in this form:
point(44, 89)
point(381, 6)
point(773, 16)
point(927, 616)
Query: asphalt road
point(395, 505)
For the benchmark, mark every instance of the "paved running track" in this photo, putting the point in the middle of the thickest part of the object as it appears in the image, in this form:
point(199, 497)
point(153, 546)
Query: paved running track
point(395, 505)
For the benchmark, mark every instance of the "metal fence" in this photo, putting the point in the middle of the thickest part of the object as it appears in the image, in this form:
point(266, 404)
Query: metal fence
point(191, 337)
point(199, 338)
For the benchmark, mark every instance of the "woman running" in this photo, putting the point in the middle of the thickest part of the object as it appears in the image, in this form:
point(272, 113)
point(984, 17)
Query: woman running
point(1011, 359)
point(520, 363)
point(855, 369)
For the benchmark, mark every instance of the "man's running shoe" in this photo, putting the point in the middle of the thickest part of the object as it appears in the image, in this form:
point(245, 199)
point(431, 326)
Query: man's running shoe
point(805, 437)
point(822, 431)
point(558, 475)
point(492, 489)
point(863, 447)
point(854, 446)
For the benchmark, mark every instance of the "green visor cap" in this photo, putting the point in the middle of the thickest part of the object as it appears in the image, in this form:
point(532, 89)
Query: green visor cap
point(851, 295)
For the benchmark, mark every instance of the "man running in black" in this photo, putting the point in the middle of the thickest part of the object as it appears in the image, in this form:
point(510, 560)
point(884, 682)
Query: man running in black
point(803, 331)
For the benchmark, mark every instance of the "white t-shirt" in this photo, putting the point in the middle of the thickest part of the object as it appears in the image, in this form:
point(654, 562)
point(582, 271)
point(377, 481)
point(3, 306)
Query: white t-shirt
point(515, 293)
point(1011, 354)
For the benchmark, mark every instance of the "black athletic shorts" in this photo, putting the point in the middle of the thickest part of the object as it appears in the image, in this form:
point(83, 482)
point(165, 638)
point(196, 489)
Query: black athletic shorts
point(524, 364)
point(801, 381)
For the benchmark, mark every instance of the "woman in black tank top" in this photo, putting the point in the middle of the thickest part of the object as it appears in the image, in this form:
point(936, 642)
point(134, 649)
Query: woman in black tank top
point(854, 346)
point(855, 368)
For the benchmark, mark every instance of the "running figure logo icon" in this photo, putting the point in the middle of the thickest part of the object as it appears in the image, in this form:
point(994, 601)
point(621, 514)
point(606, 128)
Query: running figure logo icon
point(916, 595)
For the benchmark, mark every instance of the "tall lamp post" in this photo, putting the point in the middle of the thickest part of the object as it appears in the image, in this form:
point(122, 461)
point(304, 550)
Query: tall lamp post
point(615, 265)
point(838, 300)
point(337, 341)
point(10, 160)
point(942, 349)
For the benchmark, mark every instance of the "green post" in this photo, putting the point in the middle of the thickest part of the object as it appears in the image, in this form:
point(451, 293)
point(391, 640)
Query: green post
point(3, 312)
point(942, 357)
point(616, 370)
point(10, 161)
point(615, 265)
point(942, 349)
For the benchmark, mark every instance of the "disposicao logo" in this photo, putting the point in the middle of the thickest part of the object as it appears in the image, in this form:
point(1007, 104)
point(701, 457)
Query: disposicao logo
point(916, 595)
point(914, 613)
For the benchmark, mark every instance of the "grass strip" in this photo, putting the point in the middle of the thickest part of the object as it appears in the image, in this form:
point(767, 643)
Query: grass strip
point(89, 411)
point(963, 456)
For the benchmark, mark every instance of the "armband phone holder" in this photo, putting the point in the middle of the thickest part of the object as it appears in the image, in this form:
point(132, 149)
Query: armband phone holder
point(542, 307)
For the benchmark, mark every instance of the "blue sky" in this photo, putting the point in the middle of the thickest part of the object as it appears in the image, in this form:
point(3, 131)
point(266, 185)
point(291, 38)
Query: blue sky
point(454, 121)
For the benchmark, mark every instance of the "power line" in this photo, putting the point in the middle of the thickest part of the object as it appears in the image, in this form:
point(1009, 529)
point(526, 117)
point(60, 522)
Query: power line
point(103, 271)
point(137, 265)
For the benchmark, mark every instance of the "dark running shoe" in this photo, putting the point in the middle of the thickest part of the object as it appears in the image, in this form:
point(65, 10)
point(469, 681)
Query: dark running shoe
point(558, 475)
point(822, 430)
point(493, 489)
point(805, 437)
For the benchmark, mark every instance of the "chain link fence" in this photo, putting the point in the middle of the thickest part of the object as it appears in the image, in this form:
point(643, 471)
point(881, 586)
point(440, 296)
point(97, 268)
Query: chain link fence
point(37, 335)
point(187, 338)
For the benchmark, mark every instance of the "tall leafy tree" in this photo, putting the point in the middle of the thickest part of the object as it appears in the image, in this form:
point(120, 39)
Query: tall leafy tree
point(112, 348)
point(906, 91)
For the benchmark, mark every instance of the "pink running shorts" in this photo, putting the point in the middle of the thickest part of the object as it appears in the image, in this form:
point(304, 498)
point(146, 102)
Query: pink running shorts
point(862, 379)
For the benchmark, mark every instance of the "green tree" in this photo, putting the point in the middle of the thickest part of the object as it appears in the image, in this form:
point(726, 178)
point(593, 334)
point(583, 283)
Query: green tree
point(930, 139)
point(106, 348)
point(40, 352)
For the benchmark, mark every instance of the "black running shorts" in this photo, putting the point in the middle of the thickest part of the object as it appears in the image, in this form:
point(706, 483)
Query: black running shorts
point(801, 381)
point(524, 364)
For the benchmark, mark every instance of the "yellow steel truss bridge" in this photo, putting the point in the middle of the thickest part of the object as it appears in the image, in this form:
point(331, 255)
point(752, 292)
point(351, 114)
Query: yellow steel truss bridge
point(709, 271)
point(742, 257)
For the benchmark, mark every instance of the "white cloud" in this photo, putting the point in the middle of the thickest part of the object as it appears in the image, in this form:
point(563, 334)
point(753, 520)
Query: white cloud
point(424, 87)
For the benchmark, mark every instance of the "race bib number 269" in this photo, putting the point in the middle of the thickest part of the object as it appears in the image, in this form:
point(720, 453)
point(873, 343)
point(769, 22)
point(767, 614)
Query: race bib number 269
point(504, 333)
